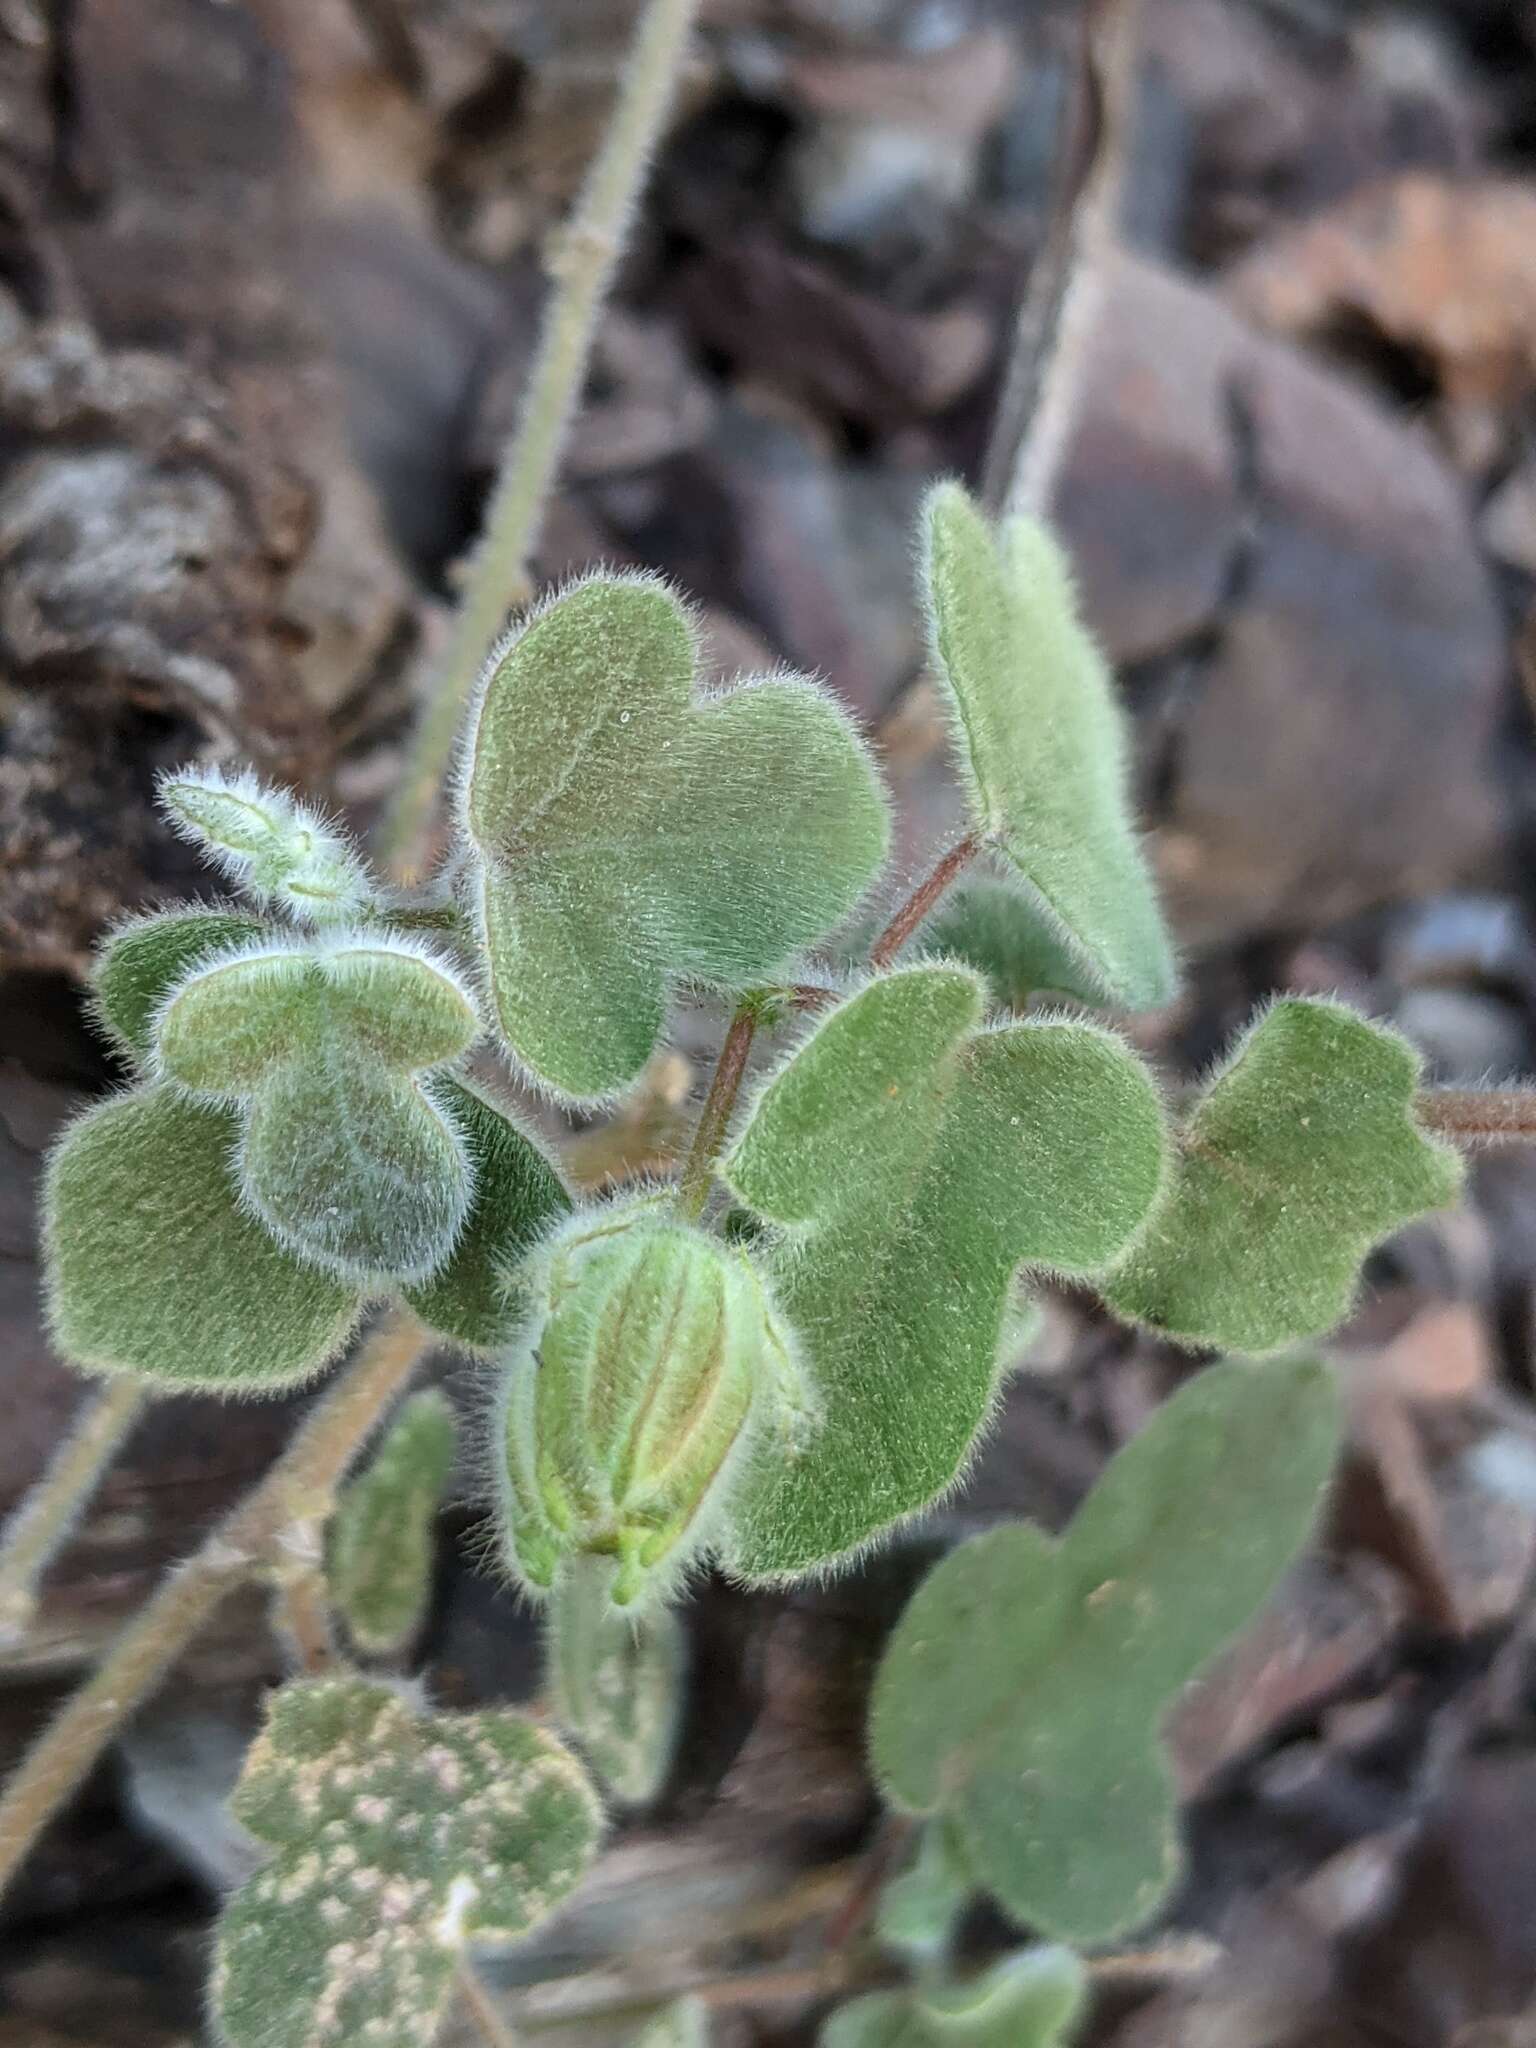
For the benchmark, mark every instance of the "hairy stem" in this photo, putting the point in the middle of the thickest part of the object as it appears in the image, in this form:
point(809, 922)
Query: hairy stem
point(715, 1117)
point(41, 1525)
point(1478, 1116)
point(496, 576)
point(297, 1488)
point(923, 900)
point(482, 2008)
point(1056, 312)
point(301, 1603)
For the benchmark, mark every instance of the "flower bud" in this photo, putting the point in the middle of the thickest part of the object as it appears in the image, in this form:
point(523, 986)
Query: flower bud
point(279, 849)
point(629, 1411)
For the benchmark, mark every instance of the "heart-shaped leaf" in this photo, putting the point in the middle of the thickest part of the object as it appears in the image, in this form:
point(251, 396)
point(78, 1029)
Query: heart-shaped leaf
point(344, 1154)
point(282, 851)
point(1022, 1692)
point(382, 1539)
point(519, 1197)
point(629, 833)
point(402, 1839)
point(1300, 1156)
point(144, 959)
point(154, 1268)
point(1040, 742)
point(915, 1161)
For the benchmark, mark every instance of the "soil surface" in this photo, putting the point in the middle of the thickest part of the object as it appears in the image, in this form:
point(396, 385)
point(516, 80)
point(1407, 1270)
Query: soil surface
point(269, 279)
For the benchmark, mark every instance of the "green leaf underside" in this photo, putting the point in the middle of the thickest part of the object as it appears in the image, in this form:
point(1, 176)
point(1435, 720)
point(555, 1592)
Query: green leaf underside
point(1300, 1156)
point(1023, 1690)
point(345, 1153)
point(401, 1839)
point(155, 1269)
point(630, 833)
point(1028, 2000)
point(1041, 741)
point(382, 1540)
point(992, 926)
point(917, 1161)
point(634, 1703)
point(921, 1905)
point(518, 1198)
point(141, 963)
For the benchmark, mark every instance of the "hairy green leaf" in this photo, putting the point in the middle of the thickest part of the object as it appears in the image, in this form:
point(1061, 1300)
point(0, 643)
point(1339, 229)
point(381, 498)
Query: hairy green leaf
point(915, 1161)
point(1022, 1692)
point(345, 1153)
point(284, 852)
point(992, 926)
point(154, 1268)
point(684, 2024)
point(1301, 1155)
point(382, 1539)
point(921, 1905)
point(519, 1197)
point(402, 1838)
point(632, 1705)
point(629, 833)
point(1040, 740)
point(144, 959)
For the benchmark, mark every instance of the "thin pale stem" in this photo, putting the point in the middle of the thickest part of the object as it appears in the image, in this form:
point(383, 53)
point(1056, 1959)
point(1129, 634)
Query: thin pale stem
point(1478, 1116)
point(715, 1117)
point(496, 576)
point(923, 900)
point(1060, 301)
point(298, 1488)
point(301, 1602)
point(41, 1525)
point(482, 2007)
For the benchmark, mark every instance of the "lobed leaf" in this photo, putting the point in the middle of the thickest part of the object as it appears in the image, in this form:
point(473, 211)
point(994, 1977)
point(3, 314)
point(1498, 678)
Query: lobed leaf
point(1041, 743)
point(1028, 2000)
point(518, 1198)
point(1022, 1692)
point(345, 1153)
point(402, 1838)
point(991, 925)
point(628, 1720)
point(144, 959)
point(628, 832)
point(382, 1539)
point(914, 1161)
point(1299, 1157)
point(283, 851)
point(154, 1268)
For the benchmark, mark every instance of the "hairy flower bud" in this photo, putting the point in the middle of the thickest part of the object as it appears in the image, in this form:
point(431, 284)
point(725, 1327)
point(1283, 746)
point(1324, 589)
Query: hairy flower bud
point(280, 850)
point(654, 1353)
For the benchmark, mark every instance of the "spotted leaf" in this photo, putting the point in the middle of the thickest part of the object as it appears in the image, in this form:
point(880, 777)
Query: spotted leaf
point(401, 1839)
